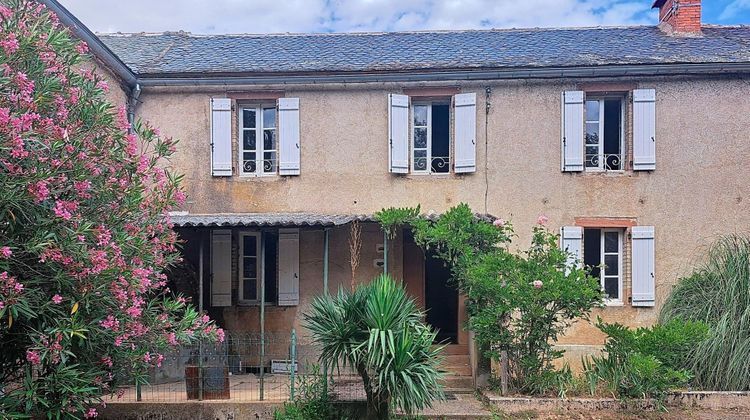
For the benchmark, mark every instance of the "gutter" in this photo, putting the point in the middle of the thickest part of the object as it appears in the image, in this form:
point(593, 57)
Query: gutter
point(433, 76)
point(96, 46)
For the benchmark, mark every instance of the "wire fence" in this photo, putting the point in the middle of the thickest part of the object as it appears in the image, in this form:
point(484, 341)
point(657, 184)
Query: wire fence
point(245, 367)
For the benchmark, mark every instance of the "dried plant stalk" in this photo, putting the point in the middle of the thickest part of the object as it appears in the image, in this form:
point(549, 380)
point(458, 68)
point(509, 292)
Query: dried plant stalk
point(355, 246)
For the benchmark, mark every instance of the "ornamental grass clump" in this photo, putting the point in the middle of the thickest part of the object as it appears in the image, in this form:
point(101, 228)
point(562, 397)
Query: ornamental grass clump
point(718, 294)
point(84, 231)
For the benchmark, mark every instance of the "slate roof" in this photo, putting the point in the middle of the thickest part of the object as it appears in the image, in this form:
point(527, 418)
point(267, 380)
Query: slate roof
point(184, 53)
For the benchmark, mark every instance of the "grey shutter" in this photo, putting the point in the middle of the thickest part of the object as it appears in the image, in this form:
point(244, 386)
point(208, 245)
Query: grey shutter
point(288, 267)
point(289, 144)
point(465, 137)
point(571, 238)
point(644, 130)
point(221, 137)
point(398, 134)
point(221, 268)
point(572, 131)
point(644, 284)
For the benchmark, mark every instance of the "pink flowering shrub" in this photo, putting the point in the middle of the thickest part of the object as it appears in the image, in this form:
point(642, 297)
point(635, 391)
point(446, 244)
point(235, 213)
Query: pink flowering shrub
point(84, 229)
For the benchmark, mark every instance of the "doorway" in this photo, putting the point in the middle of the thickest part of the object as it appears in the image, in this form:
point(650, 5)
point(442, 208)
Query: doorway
point(441, 299)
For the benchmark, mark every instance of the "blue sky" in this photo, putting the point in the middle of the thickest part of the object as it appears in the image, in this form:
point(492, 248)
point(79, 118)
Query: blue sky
point(273, 16)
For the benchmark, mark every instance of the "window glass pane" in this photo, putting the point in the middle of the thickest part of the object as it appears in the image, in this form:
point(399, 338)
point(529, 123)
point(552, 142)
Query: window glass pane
point(269, 117)
point(612, 287)
point(249, 246)
point(420, 115)
point(592, 156)
point(249, 291)
point(420, 138)
point(248, 118)
point(250, 267)
point(269, 162)
point(248, 139)
point(440, 152)
point(592, 110)
point(269, 140)
point(611, 242)
point(592, 133)
point(420, 160)
point(612, 265)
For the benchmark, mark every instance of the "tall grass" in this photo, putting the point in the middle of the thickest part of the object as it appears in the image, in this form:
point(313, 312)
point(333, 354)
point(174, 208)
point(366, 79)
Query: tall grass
point(718, 293)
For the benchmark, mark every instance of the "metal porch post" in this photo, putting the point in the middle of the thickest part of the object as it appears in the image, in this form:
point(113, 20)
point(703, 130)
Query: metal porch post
point(326, 231)
point(200, 274)
point(385, 252)
point(262, 315)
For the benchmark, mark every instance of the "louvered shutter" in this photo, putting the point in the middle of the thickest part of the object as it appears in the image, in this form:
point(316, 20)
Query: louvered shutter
point(572, 131)
point(644, 130)
point(289, 144)
point(571, 239)
point(465, 132)
point(398, 133)
point(221, 268)
point(221, 137)
point(288, 267)
point(644, 285)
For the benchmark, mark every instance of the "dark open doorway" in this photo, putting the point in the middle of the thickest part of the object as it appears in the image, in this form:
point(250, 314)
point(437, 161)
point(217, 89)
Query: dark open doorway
point(441, 300)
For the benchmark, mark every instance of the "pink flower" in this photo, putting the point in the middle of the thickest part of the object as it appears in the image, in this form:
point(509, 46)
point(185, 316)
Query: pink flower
point(10, 44)
point(102, 85)
point(82, 48)
point(220, 334)
point(33, 357)
point(147, 357)
point(2, 305)
point(542, 220)
point(538, 284)
point(499, 223)
point(39, 190)
point(57, 299)
point(5, 252)
point(172, 339)
point(91, 413)
point(64, 209)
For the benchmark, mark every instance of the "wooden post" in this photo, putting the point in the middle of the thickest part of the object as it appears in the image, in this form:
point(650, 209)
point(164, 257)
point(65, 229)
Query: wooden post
point(504, 372)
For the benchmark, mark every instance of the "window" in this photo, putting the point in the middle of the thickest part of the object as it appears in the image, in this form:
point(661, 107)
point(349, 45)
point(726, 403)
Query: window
point(604, 134)
point(602, 251)
point(430, 138)
point(258, 145)
point(250, 271)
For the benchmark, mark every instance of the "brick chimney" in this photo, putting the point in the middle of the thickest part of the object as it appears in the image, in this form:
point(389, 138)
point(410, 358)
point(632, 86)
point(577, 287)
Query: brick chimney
point(679, 17)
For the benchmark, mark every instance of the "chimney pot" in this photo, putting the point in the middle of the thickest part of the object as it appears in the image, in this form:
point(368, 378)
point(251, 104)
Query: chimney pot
point(679, 17)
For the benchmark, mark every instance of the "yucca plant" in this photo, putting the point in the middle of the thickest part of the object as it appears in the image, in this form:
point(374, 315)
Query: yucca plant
point(378, 331)
point(718, 293)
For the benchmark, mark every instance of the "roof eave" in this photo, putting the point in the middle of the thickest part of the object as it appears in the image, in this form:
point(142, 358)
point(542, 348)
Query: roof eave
point(96, 46)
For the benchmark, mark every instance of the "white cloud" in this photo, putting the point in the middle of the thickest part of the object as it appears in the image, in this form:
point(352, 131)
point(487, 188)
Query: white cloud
point(264, 16)
point(734, 8)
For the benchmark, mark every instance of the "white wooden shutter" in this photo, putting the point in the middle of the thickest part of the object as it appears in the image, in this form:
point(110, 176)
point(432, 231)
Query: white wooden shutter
point(221, 268)
point(398, 133)
point(644, 130)
point(221, 137)
point(289, 147)
point(571, 239)
point(465, 132)
point(644, 285)
point(572, 131)
point(288, 267)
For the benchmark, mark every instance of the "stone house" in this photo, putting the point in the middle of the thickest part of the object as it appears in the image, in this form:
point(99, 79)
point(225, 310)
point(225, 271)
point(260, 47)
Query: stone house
point(633, 141)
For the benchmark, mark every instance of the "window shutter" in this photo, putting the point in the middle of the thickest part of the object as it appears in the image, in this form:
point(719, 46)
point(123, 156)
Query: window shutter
point(221, 268)
point(398, 133)
point(221, 137)
point(644, 285)
point(465, 132)
point(644, 130)
point(572, 131)
point(571, 238)
point(289, 148)
point(288, 267)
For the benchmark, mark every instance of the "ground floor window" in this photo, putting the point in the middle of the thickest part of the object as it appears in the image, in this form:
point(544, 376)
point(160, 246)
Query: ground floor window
point(252, 246)
point(602, 251)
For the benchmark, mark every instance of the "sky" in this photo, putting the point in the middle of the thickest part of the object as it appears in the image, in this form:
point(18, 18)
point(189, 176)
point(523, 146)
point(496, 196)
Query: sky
point(277, 16)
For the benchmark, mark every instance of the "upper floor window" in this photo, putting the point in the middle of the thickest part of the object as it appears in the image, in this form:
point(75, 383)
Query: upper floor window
point(604, 134)
point(431, 138)
point(258, 145)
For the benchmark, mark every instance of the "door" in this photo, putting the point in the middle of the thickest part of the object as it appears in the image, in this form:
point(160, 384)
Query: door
point(441, 300)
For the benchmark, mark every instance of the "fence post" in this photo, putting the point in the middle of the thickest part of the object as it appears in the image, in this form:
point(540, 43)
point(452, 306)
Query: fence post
point(293, 357)
point(138, 390)
point(200, 370)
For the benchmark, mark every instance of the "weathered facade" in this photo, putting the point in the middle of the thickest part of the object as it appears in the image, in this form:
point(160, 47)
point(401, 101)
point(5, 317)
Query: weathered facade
point(656, 118)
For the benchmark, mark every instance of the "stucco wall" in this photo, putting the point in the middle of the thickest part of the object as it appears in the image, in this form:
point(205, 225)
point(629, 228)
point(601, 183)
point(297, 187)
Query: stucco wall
point(698, 191)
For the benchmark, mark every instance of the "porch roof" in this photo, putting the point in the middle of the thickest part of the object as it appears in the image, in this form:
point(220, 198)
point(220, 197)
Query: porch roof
point(267, 219)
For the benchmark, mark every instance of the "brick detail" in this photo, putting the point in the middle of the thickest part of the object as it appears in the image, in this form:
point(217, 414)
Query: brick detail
point(605, 222)
point(683, 16)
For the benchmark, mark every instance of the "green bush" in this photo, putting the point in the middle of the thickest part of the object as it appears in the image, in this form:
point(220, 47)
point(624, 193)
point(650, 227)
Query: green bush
point(311, 401)
point(718, 293)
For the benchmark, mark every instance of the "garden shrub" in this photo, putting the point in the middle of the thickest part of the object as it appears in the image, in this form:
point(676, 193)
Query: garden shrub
point(311, 401)
point(84, 232)
point(718, 294)
point(517, 303)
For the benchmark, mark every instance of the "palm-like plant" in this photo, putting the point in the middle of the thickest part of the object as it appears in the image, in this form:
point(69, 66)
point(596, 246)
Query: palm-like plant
point(378, 330)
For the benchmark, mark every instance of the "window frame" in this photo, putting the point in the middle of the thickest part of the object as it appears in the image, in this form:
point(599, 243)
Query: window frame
point(602, 271)
point(259, 137)
point(241, 267)
point(601, 99)
point(412, 129)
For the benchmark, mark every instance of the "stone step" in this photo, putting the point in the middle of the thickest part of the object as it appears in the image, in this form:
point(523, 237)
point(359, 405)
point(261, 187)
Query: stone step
point(457, 365)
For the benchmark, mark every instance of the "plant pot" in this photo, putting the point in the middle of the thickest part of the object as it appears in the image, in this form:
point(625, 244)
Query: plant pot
point(214, 381)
